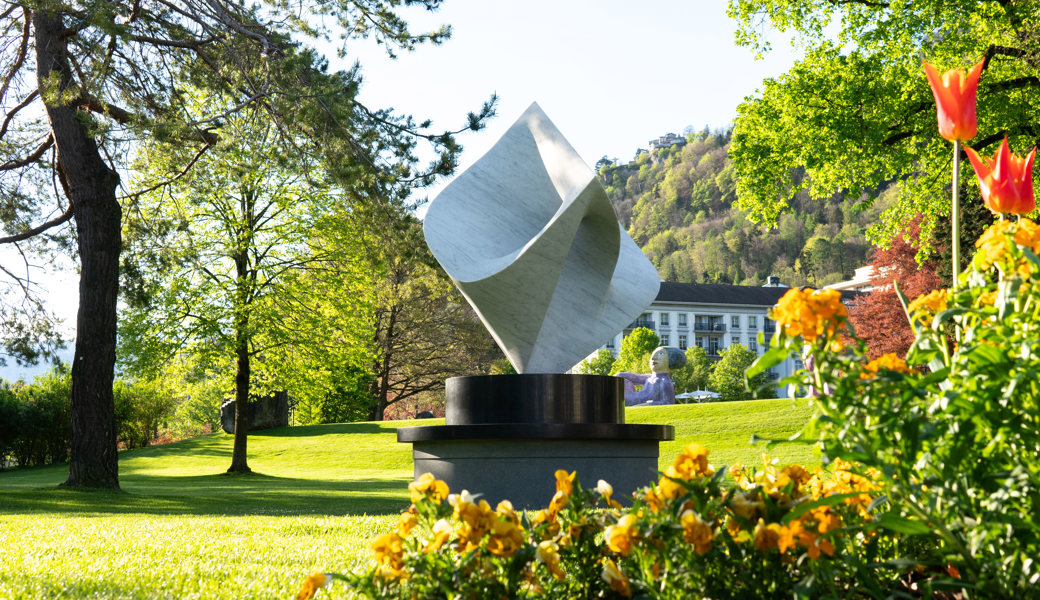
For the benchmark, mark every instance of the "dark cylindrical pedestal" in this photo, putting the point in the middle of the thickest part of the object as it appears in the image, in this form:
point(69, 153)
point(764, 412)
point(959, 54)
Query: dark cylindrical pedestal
point(506, 435)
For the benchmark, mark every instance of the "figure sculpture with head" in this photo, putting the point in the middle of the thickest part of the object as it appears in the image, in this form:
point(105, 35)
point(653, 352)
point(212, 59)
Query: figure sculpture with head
point(657, 387)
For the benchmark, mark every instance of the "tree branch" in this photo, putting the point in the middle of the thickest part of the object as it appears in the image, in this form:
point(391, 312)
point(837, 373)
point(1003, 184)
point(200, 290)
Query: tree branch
point(183, 172)
point(1020, 82)
point(38, 229)
point(154, 41)
point(863, 2)
point(23, 51)
point(14, 111)
point(36, 154)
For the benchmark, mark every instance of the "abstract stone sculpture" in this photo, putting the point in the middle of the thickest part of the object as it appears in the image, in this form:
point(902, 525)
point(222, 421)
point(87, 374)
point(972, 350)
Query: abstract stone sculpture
point(532, 241)
point(530, 238)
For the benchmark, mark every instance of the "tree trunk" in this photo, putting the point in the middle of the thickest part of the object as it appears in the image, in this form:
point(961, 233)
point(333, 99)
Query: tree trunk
point(91, 189)
point(239, 463)
point(382, 391)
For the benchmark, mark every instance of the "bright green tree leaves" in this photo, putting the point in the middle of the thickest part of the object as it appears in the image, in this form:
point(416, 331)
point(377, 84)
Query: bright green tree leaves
point(636, 348)
point(727, 377)
point(694, 374)
point(600, 364)
point(856, 114)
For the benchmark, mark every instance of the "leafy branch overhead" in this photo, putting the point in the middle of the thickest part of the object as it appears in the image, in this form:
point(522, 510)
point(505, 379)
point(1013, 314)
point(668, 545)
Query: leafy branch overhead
point(85, 83)
point(856, 114)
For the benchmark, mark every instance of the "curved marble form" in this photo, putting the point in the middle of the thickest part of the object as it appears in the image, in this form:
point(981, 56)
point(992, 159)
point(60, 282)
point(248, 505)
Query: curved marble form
point(531, 240)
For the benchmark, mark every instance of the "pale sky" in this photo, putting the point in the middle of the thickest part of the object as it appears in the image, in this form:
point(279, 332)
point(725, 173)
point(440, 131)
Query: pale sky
point(611, 75)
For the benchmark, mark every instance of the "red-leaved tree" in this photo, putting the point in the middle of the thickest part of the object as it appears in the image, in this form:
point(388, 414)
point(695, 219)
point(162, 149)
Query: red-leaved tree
point(878, 317)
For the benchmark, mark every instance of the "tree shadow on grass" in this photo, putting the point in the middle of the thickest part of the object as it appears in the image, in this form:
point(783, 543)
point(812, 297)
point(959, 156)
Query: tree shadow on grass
point(382, 427)
point(219, 494)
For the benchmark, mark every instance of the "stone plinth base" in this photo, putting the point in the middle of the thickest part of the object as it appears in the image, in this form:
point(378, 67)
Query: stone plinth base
point(506, 435)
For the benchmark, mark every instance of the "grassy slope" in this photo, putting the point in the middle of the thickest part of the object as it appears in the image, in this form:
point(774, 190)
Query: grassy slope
point(181, 528)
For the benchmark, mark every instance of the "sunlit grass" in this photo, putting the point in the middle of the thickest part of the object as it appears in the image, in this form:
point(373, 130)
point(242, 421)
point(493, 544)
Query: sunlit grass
point(181, 528)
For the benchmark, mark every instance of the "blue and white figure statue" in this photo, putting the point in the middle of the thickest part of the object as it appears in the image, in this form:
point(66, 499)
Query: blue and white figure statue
point(657, 386)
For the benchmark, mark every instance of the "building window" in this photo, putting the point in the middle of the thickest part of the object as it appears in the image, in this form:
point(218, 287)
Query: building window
point(682, 342)
point(714, 345)
point(752, 345)
point(664, 339)
point(752, 322)
point(664, 318)
point(610, 343)
point(700, 341)
point(682, 319)
point(735, 322)
point(733, 341)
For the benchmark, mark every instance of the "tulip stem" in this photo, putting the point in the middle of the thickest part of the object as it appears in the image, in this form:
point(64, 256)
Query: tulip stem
point(955, 213)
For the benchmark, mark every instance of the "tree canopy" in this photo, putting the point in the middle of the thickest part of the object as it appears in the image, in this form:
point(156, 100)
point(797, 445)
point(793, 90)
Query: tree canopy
point(109, 73)
point(636, 349)
point(728, 376)
point(857, 114)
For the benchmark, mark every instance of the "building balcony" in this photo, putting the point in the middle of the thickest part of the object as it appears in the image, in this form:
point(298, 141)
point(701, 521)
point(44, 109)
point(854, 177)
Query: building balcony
point(648, 323)
point(709, 327)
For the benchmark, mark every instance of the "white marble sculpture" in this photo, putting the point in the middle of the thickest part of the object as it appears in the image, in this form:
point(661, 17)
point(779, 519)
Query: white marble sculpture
point(531, 240)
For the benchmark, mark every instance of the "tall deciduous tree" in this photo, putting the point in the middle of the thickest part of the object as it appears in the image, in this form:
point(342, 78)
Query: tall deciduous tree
point(600, 364)
point(727, 376)
point(857, 112)
point(81, 80)
point(424, 331)
point(212, 250)
point(636, 348)
point(694, 374)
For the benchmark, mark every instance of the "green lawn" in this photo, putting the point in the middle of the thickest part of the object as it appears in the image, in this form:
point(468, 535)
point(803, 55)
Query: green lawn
point(182, 529)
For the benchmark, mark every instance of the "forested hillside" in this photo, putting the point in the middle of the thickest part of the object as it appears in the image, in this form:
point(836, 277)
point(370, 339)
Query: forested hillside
point(678, 204)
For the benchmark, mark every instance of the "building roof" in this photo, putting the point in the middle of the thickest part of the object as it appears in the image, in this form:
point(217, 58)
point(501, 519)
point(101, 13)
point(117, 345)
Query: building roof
point(710, 293)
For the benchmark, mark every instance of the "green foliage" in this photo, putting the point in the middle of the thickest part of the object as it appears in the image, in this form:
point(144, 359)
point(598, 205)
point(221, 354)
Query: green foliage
point(113, 74)
point(693, 534)
point(694, 374)
point(424, 331)
point(857, 113)
point(727, 376)
point(502, 366)
point(36, 423)
point(679, 206)
point(636, 348)
point(242, 271)
point(142, 409)
point(600, 364)
point(954, 438)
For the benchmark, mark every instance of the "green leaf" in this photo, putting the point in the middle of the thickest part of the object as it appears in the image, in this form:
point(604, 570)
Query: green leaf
point(904, 304)
point(899, 524)
point(771, 358)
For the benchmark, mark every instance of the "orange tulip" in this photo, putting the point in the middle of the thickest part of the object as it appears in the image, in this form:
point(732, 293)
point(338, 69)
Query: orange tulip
point(1006, 180)
point(955, 100)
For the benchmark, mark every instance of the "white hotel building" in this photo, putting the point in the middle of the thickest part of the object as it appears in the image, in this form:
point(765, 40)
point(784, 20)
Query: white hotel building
point(715, 317)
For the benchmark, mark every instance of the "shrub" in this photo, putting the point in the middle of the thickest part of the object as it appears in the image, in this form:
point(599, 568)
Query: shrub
point(695, 533)
point(43, 419)
point(141, 408)
point(10, 422)
point(954, 429)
